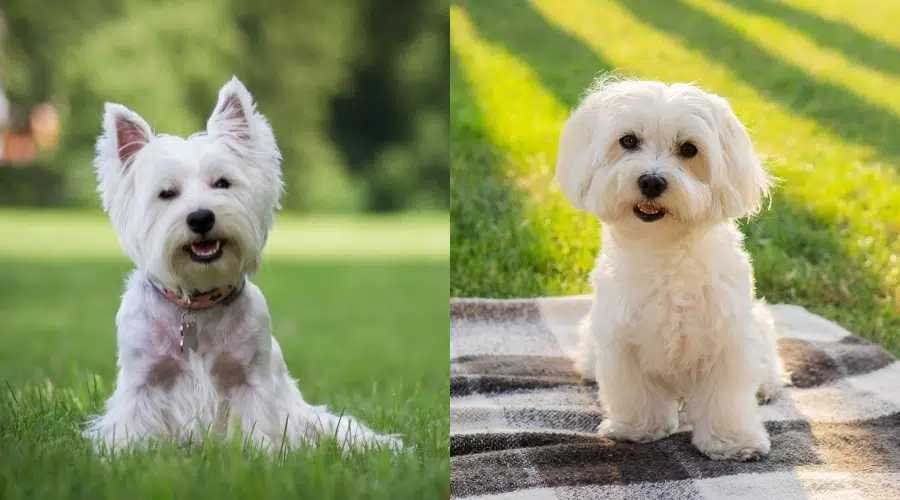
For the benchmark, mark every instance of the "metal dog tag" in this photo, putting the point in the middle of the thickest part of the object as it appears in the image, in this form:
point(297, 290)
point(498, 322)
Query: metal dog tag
point(188, 332)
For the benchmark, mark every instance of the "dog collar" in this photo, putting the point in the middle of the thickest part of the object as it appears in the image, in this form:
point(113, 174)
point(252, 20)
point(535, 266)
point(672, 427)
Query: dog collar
point(202, 300)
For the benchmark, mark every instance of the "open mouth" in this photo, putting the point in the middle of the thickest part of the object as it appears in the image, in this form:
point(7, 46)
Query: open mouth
point(648, 212)
point(205, 251)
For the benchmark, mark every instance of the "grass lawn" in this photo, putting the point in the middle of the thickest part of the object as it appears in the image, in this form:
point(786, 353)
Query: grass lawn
point(815, 81)
point(359, 306)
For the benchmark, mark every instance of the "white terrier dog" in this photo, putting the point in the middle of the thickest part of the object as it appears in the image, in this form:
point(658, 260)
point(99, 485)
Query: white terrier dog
point(195, 350)
point(667, 169)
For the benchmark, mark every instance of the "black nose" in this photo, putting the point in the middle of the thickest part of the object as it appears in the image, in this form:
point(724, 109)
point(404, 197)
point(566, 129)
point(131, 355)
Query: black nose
point(201, 221)
point(651, 185)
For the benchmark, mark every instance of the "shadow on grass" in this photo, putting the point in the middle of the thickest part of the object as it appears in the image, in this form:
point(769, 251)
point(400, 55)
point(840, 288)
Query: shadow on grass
point(854, 44)
point(832, 106)
point(524, 32)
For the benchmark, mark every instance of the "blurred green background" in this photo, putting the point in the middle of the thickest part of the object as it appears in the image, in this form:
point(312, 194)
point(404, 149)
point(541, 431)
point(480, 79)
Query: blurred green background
point(356, 90)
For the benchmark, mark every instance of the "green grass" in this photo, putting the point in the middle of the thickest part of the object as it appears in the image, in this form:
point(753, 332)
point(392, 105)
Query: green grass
point(815, 81)
point(365, 334)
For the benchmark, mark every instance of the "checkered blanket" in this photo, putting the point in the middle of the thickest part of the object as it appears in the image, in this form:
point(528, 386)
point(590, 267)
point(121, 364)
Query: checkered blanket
point(522, 422)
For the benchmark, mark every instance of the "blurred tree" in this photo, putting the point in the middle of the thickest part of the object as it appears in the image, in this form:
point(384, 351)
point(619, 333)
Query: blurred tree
point(298, 58)
point(398, 96)
point(356, 90)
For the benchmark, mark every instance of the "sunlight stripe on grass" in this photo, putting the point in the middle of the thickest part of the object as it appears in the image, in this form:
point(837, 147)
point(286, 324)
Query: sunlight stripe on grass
point(63, 236)
point(826, 65)
point(509, 95)
point(522, 119)
point(866, 15)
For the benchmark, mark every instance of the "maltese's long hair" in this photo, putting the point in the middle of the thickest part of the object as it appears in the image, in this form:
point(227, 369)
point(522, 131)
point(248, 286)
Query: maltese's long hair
point(667, 169)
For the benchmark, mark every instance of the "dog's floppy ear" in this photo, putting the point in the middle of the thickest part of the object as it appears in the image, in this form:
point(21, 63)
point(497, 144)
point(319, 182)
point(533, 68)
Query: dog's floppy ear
point(742, 181)
point(575, 157)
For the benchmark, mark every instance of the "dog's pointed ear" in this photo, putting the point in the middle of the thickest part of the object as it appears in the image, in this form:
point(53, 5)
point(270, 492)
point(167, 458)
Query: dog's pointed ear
point(237, 124)
point(125, 133)
point(234, 116)
point(741, 179)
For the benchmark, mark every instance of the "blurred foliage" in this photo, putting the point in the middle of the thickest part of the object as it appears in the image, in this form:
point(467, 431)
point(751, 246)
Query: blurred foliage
point(356, 90)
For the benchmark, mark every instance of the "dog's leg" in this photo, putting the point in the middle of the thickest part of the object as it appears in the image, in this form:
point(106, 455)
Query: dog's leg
point(724, 414)
point(133, 416)
point(774, 375)
point(251, 406)
point(350, 433)
point(638, 408)
point(140, 408)
point(247, 399)
point(586, 354)
point(305, 423)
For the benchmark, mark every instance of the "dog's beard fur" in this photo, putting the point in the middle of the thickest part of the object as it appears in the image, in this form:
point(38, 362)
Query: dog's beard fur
point(674, 313)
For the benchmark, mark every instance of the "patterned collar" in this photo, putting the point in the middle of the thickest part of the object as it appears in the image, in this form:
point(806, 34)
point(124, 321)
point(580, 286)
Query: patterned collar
point(203, 300)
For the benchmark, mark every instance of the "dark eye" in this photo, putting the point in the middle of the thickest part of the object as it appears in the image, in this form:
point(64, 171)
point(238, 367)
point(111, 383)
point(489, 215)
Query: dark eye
point(167, 194)
point(629, 141)
point(222, 183)
point(687, 150)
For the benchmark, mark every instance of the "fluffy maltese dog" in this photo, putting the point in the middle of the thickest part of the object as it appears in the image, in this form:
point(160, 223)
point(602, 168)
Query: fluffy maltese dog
point(667, 169)
point(196, 355)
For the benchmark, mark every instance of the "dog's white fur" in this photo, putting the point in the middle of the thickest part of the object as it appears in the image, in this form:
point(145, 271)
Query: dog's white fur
point(674, 316)
point(236, 383)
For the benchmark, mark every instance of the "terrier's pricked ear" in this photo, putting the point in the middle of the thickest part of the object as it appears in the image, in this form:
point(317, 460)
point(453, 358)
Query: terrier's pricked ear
point(233, 112)
point(124, 133)
point(236, 125)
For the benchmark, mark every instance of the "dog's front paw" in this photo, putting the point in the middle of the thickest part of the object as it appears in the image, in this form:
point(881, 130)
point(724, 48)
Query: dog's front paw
point(764, 394)
point(726, 449)
point(769, 389)
point(366, 439)
point(638, 434)
point(393, 442)
point(584, 365)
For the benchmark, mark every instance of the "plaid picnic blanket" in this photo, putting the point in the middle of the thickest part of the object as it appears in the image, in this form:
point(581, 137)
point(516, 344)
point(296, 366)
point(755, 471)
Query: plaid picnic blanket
point(523, 423)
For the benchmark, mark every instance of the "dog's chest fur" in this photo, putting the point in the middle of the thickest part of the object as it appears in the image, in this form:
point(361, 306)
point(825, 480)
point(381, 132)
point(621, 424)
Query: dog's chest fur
point(673, 310)
point(231, 339)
